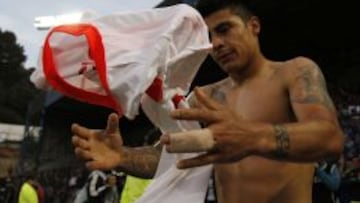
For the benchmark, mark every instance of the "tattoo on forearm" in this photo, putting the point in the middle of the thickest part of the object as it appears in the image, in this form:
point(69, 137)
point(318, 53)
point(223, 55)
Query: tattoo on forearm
point(314, 89)
point(142, 162)
point(282, 141)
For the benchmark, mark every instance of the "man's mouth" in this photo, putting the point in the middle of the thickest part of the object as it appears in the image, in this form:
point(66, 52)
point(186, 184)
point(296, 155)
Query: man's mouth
point(226, 57)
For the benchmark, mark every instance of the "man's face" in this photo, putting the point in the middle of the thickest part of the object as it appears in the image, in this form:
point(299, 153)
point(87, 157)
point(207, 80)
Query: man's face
point(234, 40)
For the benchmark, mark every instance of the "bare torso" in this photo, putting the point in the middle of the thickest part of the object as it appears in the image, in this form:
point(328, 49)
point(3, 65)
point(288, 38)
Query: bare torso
point(257, 179)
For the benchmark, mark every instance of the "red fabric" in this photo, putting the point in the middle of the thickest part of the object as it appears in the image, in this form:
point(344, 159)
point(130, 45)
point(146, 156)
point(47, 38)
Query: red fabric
point(96, 53)
point(155, 91)
point(40, 193)
point(177, 99)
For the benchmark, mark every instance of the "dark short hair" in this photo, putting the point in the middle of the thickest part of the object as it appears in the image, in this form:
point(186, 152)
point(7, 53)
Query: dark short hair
point(238, 7)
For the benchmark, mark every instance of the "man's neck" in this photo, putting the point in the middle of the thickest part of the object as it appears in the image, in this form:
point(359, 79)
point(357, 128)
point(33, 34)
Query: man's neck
point(253, 69)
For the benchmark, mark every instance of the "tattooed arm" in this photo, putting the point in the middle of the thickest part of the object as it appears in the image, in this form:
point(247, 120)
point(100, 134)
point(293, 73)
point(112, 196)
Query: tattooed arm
point(141, 161)
point(104, 150)
point(316, 134)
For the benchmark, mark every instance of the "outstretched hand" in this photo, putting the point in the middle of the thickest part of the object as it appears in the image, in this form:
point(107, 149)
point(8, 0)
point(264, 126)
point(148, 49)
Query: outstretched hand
point(101, 149)
point(232, 136)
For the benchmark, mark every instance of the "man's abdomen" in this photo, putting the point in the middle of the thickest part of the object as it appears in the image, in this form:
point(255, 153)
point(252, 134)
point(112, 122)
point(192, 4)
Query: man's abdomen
point(260, 180)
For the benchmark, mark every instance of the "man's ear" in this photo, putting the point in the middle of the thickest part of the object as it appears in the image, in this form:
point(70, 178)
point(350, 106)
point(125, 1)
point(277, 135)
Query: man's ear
point(254, 24)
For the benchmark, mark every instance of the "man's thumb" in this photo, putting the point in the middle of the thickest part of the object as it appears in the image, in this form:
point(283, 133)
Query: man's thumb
point(112, 123)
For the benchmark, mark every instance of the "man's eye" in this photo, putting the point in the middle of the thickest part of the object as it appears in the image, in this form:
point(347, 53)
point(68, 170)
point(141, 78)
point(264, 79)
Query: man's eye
point(222, 29)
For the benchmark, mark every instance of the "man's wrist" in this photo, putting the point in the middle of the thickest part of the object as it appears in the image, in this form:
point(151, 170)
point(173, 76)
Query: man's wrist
point(265, 144)
point(282, 141)
point(123, 157)
point(273, 141)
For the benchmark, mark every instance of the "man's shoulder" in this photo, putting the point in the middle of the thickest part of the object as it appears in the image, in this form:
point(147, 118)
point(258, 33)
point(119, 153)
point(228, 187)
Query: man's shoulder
point(300, 69)
point(299, 62)
point(299, 65)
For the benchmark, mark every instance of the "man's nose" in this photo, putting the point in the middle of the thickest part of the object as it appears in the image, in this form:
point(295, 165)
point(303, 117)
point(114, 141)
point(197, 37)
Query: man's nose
point(217, 42)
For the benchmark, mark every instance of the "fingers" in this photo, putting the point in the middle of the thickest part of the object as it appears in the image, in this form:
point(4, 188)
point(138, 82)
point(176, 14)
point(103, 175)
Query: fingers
point(206, 100)
point(165, 139)
point(206, 113)
point(189, 141)
point(195, 114)
point(112, 124)
point(81, 143)
point(80, 131)
point(84, 154)
point(200, 160)
point(93, 165)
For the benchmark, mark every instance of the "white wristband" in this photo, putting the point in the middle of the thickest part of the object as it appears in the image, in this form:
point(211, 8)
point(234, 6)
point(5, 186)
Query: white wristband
point(191, 141)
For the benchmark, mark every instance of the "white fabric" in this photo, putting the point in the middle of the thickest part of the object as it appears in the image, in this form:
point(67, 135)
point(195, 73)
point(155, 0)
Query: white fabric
point(138, 46)
point(171, 184)
point(97, 183)
point(170, 43)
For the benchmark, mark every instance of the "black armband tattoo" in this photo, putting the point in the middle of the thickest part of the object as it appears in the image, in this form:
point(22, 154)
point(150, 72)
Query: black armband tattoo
point(282, 141)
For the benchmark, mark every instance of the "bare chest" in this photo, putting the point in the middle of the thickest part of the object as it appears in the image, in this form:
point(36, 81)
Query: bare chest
point(260, 102)
point(257, 177)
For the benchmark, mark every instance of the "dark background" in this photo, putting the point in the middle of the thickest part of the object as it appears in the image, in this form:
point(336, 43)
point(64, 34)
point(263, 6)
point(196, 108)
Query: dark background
point(325, 31)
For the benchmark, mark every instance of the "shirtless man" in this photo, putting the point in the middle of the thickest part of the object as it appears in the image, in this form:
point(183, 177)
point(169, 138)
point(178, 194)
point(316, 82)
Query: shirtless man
point(270, 120)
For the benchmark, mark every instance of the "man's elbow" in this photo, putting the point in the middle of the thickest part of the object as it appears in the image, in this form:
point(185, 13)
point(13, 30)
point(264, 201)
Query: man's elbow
point(336, 142)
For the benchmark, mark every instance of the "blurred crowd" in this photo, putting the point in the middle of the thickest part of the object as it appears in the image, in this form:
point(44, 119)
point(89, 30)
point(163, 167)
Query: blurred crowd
point(335, 181)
